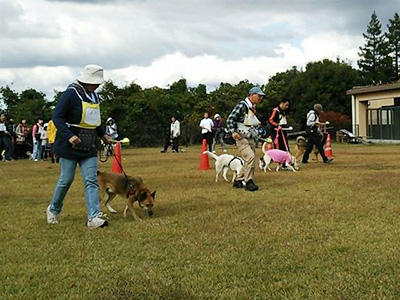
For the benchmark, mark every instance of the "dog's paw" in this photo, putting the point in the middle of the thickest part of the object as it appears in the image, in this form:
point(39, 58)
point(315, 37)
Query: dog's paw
point(111, 210)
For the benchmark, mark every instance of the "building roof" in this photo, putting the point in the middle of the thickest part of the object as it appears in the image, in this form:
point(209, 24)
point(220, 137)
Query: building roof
point(373, 88)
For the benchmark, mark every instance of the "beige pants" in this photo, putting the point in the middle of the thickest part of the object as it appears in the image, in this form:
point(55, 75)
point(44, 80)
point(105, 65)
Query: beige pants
point(247, 150)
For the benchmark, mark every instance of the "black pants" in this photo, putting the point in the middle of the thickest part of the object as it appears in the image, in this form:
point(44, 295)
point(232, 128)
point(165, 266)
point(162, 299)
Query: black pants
point(175, 144)
point(209, 138)
point(20, 151)
point(314, 139)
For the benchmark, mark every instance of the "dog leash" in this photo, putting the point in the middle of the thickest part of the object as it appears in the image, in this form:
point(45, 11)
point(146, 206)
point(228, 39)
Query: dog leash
point(276, 141)
point(109, 151)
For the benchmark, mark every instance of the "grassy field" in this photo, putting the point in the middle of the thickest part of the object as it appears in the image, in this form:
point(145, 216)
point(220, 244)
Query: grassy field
point(326, 232)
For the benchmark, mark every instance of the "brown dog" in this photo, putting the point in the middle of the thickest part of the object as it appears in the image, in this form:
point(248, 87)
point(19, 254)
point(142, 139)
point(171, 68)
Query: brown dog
point(300, 148)
point(131, 188)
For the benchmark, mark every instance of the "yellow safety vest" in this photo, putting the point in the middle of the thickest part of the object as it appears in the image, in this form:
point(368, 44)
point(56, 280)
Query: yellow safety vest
point(90, 115)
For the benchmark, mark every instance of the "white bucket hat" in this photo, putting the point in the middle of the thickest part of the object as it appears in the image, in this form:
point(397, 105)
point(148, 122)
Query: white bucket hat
point(92, 74)
point(217, 116)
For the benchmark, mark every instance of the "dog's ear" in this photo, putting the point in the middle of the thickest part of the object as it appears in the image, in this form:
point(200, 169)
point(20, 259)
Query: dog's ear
point(153, 194)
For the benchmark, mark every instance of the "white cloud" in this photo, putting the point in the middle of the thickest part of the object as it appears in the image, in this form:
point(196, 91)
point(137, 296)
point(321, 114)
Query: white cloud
point(45, 44)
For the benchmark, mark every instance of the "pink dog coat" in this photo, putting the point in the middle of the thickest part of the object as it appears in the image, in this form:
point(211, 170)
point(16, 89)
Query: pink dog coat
point(279, 156)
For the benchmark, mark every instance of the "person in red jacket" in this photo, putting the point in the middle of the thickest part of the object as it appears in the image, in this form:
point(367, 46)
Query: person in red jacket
point(277, 120)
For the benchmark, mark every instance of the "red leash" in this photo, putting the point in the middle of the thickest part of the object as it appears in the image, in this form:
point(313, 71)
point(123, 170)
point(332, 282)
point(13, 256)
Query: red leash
point(276, 141)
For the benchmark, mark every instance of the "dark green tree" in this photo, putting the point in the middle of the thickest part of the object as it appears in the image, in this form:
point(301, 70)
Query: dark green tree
point(8, 97)
point(393, 36)
point(375, 63)
point(29, 105)
point(324, 82)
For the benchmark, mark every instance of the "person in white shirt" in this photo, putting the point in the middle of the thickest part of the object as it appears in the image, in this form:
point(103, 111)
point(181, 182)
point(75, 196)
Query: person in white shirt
point(206, 125)
point(174, 134)
point(111, 129)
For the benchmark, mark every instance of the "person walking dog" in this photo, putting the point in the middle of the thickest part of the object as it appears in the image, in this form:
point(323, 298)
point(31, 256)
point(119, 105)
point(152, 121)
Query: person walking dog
point(78, 122)
point(242, 123)
point(314, 134)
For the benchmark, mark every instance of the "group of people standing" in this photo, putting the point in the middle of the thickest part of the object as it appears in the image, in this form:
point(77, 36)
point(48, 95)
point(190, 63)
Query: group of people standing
point(21, 141)
point(209, 131)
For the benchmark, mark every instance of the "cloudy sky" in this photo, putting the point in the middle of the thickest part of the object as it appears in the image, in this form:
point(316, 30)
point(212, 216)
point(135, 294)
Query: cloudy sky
point(44, 44)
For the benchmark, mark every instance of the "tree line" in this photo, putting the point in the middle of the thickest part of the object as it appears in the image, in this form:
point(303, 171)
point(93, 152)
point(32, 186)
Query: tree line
point(143, 114)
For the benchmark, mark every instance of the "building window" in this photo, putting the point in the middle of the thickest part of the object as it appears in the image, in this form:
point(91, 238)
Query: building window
point(374, 117)
point(384, 117)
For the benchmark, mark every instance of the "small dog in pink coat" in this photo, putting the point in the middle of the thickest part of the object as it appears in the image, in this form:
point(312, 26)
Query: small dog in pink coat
point(279, 157)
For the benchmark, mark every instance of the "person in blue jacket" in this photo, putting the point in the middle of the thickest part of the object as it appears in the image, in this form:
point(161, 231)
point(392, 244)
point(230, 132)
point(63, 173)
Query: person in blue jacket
point(78, 122)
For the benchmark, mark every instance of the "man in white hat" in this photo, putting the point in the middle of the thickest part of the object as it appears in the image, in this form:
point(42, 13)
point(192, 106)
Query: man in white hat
point(77, 118)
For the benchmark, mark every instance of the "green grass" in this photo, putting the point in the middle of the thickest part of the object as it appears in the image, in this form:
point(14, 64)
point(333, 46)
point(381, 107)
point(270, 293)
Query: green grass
point(326, 232)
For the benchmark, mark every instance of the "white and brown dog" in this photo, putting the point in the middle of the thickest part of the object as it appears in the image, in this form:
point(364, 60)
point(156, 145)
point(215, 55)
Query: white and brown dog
point(279, 157)
point(225, 162)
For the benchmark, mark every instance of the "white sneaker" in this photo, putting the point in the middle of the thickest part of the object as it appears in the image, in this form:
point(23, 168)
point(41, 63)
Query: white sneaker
point(101, 220)
point(51, 217)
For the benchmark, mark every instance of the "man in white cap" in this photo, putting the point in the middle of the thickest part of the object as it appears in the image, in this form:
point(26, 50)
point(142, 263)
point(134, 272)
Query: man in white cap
point(242, 123)
point(314, 134)
point(77, 118)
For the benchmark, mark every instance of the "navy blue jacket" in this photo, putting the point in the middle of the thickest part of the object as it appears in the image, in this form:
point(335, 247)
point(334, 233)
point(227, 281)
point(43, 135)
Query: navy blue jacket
point(69, 109)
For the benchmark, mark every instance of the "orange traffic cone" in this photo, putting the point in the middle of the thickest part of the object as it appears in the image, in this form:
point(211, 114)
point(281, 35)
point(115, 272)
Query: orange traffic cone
point(117, 161)
point(328, 148)
point(204, 163)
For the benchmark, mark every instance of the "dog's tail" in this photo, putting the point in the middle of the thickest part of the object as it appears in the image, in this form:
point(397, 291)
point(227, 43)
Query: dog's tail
point(301, 141)
point(264, 147)
point(210, 154)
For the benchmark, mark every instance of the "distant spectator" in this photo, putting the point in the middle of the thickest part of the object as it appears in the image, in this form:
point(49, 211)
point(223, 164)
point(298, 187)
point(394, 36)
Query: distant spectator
point(36, 133)
point(21, 133)
point(218, 132)
point(51, 135)
point(2, 132)
point(111, 129)
point(44, 142)
point(173, 136)
point(6, 132)
point(206, 125)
